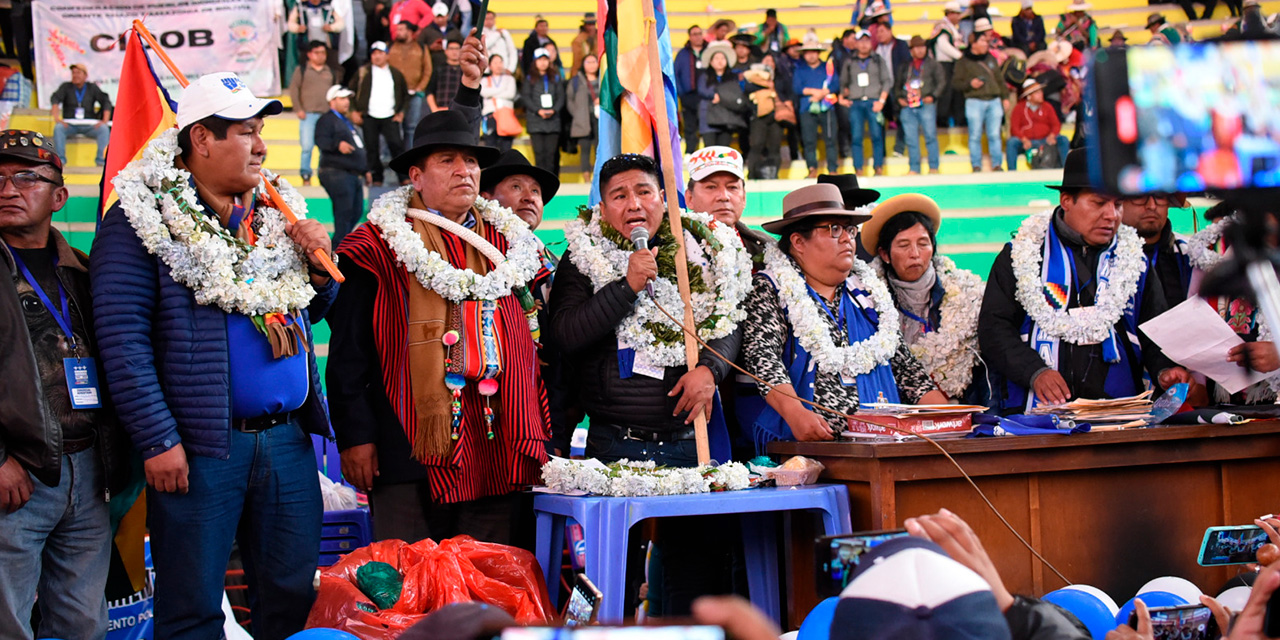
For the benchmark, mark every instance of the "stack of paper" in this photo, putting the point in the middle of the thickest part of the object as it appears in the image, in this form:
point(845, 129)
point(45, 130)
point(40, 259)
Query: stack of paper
point(917, 410)
point(1117, 413)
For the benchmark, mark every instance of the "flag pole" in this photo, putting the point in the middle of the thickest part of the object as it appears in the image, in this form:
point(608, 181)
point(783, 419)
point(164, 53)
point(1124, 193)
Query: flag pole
point(272, 193)
point(669, 183)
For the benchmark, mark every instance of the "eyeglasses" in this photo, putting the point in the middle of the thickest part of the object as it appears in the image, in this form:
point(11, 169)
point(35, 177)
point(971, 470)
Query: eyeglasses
point(836, 228)
point(1160, 201)
point(24, 180)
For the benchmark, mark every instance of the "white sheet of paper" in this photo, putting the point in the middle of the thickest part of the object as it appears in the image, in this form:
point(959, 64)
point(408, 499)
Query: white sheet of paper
point(1193, 335)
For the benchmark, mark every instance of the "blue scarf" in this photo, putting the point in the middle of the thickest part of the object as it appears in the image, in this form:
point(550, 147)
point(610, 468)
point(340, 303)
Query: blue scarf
point(1059, 277)
point(860, 322)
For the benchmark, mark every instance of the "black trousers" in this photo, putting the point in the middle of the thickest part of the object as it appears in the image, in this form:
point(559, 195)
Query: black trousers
point(719, 137)
point(844, 132)
point(951, 102)
point(347, 194)
point(766, 148)
point(546, 151)
point(689, 124)
point(374, 130)
point(407, 512)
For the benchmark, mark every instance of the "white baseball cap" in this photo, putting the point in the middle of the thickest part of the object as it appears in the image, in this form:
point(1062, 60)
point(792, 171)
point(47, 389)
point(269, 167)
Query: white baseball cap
point(541, 52)
point(224, 95)
point(440, 9)
point(378, 46)
point(952, 7)
point(708, 160)
point(338, 91)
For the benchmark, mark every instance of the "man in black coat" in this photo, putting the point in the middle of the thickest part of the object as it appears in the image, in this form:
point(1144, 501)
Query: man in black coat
point(1086, 222)
point(342, 162)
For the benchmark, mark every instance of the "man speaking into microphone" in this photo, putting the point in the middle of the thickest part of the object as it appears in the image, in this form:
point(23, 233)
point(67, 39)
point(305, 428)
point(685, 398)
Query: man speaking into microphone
point(634, 385)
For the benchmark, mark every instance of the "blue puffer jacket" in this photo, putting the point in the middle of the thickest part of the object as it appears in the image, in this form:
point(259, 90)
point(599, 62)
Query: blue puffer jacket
point(167, 358)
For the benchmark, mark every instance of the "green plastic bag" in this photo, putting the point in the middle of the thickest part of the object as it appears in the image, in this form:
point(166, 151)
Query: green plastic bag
point(381, 583)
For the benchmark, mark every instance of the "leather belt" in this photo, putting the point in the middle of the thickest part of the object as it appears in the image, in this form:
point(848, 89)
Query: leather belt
point(78, 445)
point(647, 435)
point(258, 425)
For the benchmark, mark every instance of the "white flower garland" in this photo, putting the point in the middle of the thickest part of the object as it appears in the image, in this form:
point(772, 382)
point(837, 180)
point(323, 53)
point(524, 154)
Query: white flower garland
point(1080, 325)
point(435, 272)
point(727, 275)
point(806, 321)
point(949, 351)
point(1200, 246)
point(270, 277)
point(627, 478)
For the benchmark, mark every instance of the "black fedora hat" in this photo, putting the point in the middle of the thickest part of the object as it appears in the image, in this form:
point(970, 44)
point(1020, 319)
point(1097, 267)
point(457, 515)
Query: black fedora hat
point(443, 129)
point(854, 196)
point(513, 163)
point(1075, 173)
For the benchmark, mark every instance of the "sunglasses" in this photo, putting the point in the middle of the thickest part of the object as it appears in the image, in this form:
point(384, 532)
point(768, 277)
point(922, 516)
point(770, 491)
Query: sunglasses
point(1160, 201)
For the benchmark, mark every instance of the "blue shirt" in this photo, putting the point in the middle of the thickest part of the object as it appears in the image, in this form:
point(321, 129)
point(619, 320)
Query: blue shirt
point(807, 77)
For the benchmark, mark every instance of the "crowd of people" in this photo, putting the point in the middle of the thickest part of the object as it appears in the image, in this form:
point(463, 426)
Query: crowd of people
point(464, 352)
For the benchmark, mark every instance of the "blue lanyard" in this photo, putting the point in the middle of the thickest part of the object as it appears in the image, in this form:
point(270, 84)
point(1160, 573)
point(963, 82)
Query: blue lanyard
point(546, 84)
point(64, 319)
point(344, 119)
point(925, 323)
point(835, 317)
point(80, 95)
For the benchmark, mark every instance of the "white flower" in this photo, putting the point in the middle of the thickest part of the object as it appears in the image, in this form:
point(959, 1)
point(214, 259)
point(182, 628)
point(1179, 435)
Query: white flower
point(1200, 249)
point(949, 352)
point(435, 272)
point(727, 274)
point(641, 478)
point(1080, 325)
point(811, 330)
point(269, 277)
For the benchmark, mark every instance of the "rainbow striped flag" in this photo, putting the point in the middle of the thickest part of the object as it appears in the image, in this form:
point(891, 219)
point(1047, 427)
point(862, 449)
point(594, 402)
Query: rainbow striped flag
point(628, 99)
point(143, 110)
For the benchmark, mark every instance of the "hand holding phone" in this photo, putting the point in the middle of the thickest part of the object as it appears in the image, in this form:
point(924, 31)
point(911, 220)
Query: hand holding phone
point(1231, 545)
point(1187, 622)
point(837, 557)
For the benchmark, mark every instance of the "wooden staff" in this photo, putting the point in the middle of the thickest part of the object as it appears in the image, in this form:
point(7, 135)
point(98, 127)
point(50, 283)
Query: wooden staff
point(272, 193)
point(666, 158)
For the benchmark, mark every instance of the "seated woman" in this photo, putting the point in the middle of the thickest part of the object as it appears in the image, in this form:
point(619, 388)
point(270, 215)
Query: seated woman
point(820, 326)
point(938, 302)
point(1206, 249)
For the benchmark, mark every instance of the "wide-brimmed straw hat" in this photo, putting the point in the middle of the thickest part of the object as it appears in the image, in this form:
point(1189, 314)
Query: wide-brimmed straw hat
point(719, 46)
point(885, 211)
point(812, 201)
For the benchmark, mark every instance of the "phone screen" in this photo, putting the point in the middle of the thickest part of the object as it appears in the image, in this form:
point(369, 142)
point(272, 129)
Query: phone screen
point(1231, 545)
point(583, 603)
point(1190, 622)
point(838, 557)
point(689, 632)
point(1188, 118)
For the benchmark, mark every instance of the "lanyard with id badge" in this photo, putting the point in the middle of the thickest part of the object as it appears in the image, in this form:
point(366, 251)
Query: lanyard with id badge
point(80, 104)
point(81, 372)
point(548, 100)
point(355, 134)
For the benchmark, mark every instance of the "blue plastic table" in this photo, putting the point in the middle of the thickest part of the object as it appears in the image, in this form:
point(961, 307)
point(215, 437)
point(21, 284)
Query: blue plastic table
point(607, 521)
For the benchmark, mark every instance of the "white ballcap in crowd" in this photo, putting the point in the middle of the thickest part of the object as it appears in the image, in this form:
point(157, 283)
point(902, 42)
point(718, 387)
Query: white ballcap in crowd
point(541, 52)
point(708, 160)
point(224, 95)
point(1027, 4)
point(378, 46)
point(338, 91)
point(440, 9)
point(952, 7)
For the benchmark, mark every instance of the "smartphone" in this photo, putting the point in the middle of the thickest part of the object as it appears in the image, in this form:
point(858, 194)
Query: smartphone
point(1188, 118)
point(837, 557)
point(584, 603)
point(1187, 622)
point(679, 632)
point(1231, 545)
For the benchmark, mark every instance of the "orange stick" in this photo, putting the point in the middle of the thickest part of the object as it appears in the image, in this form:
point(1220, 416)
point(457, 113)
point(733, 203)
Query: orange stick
point(272, 193)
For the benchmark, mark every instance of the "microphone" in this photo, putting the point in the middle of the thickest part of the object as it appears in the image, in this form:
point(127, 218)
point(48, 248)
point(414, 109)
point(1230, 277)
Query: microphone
point(640, 238)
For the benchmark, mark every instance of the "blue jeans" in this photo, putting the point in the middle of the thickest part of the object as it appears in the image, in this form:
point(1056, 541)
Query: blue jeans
point(809, 123)
point(266, 497)
point(307, 138)
point(1013, 148)
point(860, 114)
point(58, 546)
point(100, 133)
point(347, 193)
point(914, 119)
point(984, 115)
point(412, 114)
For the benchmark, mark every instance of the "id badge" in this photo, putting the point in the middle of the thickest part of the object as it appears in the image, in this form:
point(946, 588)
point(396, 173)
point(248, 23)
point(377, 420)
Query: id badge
point(548, 101)
point(643, 367)
point(358, 141)
point(80, 113)
point(82, 382)
point(864, 79)
point(916, 84)
point(847, 380)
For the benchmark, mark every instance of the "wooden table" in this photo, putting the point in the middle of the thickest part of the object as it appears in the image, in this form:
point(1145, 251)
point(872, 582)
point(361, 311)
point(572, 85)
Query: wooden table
point(1109, 509)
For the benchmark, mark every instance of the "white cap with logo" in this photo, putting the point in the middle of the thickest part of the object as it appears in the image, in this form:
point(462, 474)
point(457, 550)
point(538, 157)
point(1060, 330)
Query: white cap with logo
point(224, 95)
point(708, 160)
point(338, 91)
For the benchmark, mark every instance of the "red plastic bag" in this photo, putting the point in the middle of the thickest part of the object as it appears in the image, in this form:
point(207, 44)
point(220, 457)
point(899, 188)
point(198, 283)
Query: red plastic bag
point(456, 570)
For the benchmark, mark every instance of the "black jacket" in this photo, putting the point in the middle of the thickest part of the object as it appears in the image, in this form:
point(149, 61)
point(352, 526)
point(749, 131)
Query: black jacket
point(531, 95)
point(1033, 619)
point(29, 432)
point(1082, 366)
point(583, 325)
point(364, 85)
point(331, 130)
point(932, 78)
